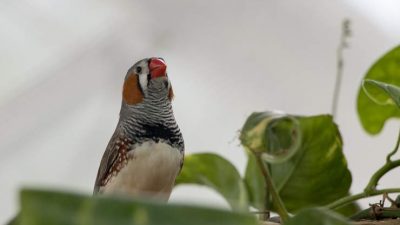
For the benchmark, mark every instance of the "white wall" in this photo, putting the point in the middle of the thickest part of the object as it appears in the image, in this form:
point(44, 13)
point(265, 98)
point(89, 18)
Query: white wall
point(62, 64)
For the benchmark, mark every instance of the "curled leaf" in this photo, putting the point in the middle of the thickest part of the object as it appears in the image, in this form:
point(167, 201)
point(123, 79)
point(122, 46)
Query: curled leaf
point(382, 93)
point(276, 136)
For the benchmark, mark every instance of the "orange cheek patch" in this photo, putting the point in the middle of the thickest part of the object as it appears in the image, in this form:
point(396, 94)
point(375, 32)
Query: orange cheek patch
point(131, 92)
point(170, 94)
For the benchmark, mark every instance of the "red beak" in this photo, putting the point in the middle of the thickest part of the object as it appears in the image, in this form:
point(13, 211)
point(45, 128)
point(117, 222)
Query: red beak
point(157, 68)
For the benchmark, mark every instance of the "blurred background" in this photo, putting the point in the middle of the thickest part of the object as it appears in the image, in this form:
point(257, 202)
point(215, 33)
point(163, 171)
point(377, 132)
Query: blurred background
point(62, 65)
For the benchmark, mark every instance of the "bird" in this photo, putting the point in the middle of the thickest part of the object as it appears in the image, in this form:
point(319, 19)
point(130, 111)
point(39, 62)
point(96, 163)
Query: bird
point(146, 152)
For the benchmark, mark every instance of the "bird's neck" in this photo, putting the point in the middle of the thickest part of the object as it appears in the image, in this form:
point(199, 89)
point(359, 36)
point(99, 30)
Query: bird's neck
point(147, 112)
point(150, 121)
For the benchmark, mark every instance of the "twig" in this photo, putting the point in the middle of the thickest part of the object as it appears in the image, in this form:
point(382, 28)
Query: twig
point(389, 156)
point(389, 165)
point(376, 211)
point(370, 189)
point(280, 207)
point(373, 182)
point(267, 203)
point(346, 32)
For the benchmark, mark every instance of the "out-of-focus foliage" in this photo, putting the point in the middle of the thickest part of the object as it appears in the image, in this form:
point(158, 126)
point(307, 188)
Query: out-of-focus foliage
point(387, 70)
point(217, 173)
point(57, 208)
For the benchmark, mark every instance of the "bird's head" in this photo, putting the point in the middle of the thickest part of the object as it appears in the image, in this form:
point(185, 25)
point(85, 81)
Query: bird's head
point(147, 79)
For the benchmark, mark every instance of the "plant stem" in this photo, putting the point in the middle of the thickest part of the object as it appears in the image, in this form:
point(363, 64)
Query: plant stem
point(394, 150)
point(280, 207)
point(339, 74)
point(346, 200)
point(389, 165)
point(373, 182)
point(339, 66)
point(267, 205)
point(370, 189)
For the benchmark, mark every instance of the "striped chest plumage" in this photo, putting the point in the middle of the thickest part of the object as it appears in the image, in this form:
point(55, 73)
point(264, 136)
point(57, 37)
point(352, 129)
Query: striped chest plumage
point(145, 154)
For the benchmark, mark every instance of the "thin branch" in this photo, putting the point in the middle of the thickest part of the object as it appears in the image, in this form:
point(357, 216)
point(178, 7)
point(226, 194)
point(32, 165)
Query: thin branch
point(267, 203)
point(346, 32)
point(370, 189)
point(389, 156)
point(373, 182)
point(280, 207)
point(389, 165)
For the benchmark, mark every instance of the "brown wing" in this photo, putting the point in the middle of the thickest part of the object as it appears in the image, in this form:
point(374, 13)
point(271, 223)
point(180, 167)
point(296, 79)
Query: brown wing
point(114, 157)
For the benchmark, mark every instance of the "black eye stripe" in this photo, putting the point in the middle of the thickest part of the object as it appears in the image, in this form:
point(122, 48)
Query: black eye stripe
point(148, 79)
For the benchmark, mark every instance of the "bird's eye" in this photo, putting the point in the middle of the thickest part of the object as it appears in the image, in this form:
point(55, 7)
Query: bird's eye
point(138, 69)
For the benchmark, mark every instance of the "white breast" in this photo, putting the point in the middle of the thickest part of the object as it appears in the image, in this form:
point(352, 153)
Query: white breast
point(150, 172)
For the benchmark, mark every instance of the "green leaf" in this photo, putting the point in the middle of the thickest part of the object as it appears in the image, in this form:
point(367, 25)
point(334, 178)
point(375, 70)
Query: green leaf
point(14, 221)
point(56, 208)
point(217, 173)
point(255, 183)
point(373, 116)
point(316, 175)
point(317, 216)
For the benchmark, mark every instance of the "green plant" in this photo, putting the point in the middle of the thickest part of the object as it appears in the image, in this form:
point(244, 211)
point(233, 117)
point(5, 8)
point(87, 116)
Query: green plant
point(296, 167)
point(296, 162)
